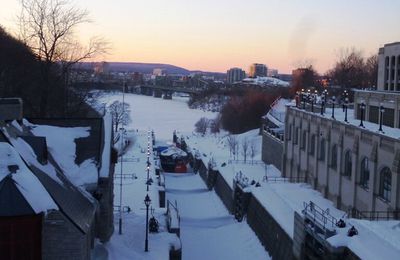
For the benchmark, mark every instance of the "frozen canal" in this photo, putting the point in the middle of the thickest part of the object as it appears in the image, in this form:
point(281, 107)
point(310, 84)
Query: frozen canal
point(208, 231)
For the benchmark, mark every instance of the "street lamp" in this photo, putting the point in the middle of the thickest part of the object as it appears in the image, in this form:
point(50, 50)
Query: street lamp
point(147, 202)
point(122, 159)
point(362, 108)
point(333, 107)
point(381, 111)
point(345, 106)
point(303, 98)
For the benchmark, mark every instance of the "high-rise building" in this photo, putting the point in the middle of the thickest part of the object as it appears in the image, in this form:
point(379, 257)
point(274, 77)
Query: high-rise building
point(234, 75)
point(159, 72)
point(258, 70)
point(272, 73)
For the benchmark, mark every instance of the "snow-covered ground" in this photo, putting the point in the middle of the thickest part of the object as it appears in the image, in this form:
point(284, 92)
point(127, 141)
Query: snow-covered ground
point(164, 116)
point(207, 229)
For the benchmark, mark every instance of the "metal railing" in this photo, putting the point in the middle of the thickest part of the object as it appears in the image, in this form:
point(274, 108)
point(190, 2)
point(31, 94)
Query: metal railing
point(319, 216)
point(284, 180)
point(375, 215)
point(125, 176)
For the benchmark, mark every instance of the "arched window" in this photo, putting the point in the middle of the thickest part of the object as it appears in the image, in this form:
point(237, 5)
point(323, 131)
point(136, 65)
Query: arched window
point(304, 140)
point(312, 145)
point(348, 165)
point(385, 184)
point(322, 150)
point(334, 157)
point(364, 173)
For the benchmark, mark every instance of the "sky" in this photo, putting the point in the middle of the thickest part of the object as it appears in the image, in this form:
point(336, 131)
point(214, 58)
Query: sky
point(215, 35)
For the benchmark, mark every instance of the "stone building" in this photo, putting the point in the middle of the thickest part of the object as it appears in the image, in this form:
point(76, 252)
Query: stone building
point(71, 162)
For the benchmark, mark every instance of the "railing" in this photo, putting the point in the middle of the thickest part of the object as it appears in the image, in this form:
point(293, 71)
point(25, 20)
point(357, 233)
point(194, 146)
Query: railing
point(125, 209)
point(318, 215)
point(375, 215)
point(125, 176)
point(245, 162)
point(125, 159)
point(284, 180)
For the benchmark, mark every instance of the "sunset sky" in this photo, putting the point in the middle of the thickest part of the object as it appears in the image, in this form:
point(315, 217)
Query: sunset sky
point(214, 35)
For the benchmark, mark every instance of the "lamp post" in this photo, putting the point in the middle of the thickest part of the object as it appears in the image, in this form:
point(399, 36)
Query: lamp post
point(381, 111)
point(362, 108)
point(345, 105)
point(312, 103)
point(303, 98)
point(147, 202)
point(122, 156)
point(333, 107)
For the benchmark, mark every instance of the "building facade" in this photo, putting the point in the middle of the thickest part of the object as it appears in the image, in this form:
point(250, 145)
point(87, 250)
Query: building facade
point(389, 67)
point(235, 75)
point(258, 70)
point(356, 168)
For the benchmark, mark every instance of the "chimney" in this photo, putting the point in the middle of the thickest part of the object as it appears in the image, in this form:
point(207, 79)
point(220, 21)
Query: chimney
point(10, 109)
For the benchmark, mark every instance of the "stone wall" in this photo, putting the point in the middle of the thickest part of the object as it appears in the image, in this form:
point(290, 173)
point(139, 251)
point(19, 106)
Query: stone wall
point(61, 239)
point(275, 240)
point(272, 150)
point(224, 191)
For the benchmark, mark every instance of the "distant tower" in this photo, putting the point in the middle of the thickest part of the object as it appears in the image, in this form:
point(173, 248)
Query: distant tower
point(258, 70)
point(234, 75)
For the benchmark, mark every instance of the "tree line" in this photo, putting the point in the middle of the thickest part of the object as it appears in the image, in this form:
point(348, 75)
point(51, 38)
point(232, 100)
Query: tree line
point(38, 64)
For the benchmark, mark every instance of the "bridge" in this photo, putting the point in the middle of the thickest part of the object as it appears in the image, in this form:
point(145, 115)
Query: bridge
point(165, 91)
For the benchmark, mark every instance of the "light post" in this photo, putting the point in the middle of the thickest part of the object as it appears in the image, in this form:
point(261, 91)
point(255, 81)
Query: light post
point(312, 97)
point(303, 98)
point(362, 108)
point(147, 202)
point(333, 107)
point(345, 106)
point(381, 111)
point(122, 157)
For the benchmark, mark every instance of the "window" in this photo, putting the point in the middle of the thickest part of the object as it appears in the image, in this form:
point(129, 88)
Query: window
point(296, 136)
point(303, 140)
point(364, 173)
point(347, 164)
point(385, 185)
point(334, 157)
point(321, 156)
point(312, 145)
point(289, 133)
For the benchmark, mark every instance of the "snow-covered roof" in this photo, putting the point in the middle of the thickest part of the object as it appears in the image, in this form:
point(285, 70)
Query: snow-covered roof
point(267, 81)
point(173, 151)
point(64, 151)
point(27, 183)
point(278, 111)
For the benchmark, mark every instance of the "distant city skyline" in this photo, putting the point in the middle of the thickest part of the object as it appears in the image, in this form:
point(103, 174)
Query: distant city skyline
point(218, 35)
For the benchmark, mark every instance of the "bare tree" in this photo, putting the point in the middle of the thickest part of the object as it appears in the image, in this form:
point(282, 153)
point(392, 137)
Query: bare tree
point(253, 150)
point(232, 145)
point(349, 69)
point(371, 67)
point(48, 27)
point(215, 125)
point(202, 125)
point(245, 149)
point(120, 113)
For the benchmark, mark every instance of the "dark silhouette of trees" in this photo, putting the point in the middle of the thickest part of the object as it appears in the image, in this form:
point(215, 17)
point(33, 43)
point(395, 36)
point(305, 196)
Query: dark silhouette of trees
point(47, 27)
point(243, 113)
point(304, 77)
point(352, 70)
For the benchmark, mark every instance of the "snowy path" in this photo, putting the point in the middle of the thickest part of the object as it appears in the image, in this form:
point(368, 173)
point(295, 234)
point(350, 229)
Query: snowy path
point(208, 231)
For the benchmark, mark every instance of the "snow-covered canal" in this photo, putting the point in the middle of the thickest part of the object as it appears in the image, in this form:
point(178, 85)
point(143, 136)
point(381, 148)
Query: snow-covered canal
point(208, 231)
